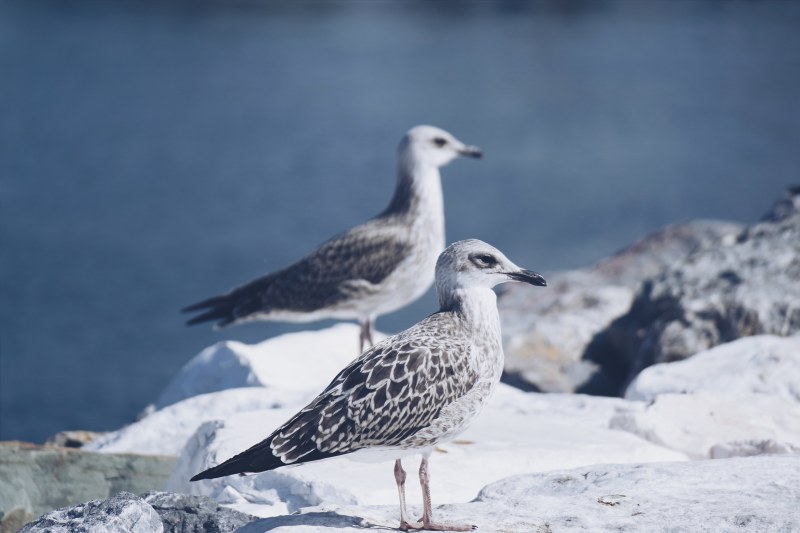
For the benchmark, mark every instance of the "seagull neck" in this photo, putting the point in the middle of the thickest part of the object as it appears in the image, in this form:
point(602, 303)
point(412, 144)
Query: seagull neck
point(477, 305)
point(419, 188)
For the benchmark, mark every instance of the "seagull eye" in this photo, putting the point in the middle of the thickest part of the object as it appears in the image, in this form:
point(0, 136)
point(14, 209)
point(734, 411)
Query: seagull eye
point(484, 260)
point(440, 141)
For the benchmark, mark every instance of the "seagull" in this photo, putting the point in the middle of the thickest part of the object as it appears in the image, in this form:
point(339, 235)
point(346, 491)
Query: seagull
point(410, 391)
point(370, 270)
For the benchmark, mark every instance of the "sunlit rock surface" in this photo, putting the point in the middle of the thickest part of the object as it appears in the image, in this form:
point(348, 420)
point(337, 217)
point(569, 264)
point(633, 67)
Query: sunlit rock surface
point(749, 495)
point(738, 399)
point(280, 363)
point(696, 423)
point(165, 431)
point(231, 377)
point(517, 432)
point(764, 364)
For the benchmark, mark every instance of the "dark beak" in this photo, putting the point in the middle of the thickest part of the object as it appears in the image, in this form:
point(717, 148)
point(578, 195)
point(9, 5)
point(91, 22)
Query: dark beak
point(471, 151)
point(528, 276)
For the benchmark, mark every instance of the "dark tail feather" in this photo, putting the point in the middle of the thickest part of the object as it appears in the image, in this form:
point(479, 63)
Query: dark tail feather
point(205, 304)
point(216, 308)
point(222, 315)
point(235, 304)
point(259, 458)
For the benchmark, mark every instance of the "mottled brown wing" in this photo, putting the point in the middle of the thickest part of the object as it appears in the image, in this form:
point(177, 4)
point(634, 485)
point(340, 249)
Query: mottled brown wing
point(332, 274)
point(317, 280)
point(385, 396)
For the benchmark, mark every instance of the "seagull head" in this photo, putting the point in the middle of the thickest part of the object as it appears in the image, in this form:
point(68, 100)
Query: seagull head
point(474, 264)
point(431, 146)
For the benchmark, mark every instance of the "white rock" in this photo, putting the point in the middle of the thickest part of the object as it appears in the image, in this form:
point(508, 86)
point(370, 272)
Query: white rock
point(761, 364)
point(225, 365)
point(165, 432)
point(753, 494)
point(285, 371)
point(694, 423)
point(518, 432)
point(293, 362)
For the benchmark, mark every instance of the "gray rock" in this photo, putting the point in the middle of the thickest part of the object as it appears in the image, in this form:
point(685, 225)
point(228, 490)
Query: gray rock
point(152, 512)
point(752, 494)
point(742, 494)
point(546, 333)
point(35, 479)
point(123, 513)
point(717, 294)
point(182, 513)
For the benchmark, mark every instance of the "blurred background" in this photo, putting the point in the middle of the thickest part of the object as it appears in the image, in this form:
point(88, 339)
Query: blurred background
point(154, 153)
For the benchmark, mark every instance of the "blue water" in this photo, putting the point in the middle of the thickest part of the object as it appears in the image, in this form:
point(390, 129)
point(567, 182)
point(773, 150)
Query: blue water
point(155, 153)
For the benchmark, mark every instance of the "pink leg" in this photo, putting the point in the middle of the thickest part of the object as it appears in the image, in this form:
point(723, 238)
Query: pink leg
point(400, 478)
point(366, 335)
point(427, 512)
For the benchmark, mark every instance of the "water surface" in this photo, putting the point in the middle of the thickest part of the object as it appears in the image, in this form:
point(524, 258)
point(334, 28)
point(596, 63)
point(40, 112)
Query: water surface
point(155, 153)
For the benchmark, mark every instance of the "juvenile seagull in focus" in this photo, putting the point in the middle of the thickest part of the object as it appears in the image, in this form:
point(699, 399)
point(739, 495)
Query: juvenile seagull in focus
point(410, 391)
point(368, 271)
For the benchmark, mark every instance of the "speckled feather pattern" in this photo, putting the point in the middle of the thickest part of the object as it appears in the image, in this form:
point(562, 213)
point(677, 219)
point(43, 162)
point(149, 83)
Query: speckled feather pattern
point(389, 395)
point(408, 392)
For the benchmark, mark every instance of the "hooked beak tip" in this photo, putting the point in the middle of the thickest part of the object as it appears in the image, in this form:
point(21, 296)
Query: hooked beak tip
point(528, 276)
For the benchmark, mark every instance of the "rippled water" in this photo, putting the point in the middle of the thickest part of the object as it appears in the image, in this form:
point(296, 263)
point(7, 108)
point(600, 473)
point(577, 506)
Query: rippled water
point(154, 153)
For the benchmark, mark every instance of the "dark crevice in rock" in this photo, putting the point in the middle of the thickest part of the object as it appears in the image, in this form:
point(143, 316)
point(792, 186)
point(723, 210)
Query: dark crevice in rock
point(717, 294)
point(546, 335)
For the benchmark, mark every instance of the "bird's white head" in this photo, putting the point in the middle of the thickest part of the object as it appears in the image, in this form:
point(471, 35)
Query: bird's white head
point(473, 264)
point(428, 146)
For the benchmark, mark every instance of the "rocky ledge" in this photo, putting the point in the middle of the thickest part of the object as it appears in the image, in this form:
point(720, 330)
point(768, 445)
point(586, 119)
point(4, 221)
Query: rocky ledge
point(673, 294)
point(662, 497)
point(740, 402)
point(153, 512)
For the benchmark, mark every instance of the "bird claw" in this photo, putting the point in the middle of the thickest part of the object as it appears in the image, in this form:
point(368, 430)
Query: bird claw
point(433, 526)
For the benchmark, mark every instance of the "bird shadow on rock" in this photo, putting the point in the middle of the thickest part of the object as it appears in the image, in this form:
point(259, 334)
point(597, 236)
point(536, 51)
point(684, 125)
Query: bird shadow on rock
point(329, 519)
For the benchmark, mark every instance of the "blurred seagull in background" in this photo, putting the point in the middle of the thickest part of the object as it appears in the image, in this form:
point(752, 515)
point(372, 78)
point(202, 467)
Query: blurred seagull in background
point(410, 391)
point(368, 271)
